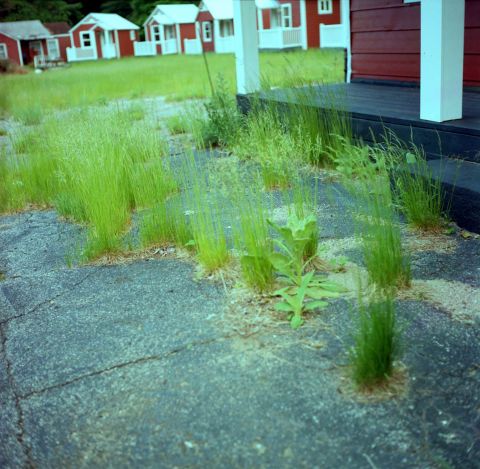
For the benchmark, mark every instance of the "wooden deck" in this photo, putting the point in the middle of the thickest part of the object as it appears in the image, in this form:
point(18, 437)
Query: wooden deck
point(375, 107)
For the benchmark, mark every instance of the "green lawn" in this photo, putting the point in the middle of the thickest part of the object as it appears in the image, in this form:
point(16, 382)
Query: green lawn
point(177, 77)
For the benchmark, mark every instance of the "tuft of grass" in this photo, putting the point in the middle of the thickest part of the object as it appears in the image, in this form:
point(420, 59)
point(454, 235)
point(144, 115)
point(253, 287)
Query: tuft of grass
point(252, 240)
point(166, 224)
point(375, 343)
point(366, 176)
point(265, 142)
point(208, 232)
point(177, 124)
point(420, 195)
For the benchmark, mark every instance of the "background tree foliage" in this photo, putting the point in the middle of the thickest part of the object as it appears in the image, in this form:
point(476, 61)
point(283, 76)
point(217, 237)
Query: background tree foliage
point(72, 11)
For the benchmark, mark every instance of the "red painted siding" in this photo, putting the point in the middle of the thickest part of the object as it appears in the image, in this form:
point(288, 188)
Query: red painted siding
point(206, 16)
point(76, 34)
point(385, 39)
point(187, 31)
point(125, 43)
point(98, 41)
point(314, 20)
point(63, 43)
point(266, 19)
point(12, 48)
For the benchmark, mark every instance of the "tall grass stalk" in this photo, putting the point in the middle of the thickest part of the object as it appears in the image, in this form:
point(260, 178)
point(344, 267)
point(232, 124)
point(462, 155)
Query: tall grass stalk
point(375, 343)
point(206, 208)
point(419, 194)
point(251, 238)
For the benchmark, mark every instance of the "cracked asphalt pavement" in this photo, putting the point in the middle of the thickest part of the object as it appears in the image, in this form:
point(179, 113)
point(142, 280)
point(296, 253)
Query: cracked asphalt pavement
point(130, 365)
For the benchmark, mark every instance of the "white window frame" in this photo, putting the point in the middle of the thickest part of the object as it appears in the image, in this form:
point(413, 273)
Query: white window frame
point(82, 39)
point(325, 7)
point(132, 35)
point(411, 1)
point(156, 36)
point(57, 48)
point(3, 51)
point(170, 32)
point(226, 26)
point(207, 31)
point(286, 7)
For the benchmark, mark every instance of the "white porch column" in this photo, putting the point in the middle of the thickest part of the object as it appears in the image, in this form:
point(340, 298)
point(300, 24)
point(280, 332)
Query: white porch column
point(345, 20)
point(179, 38)
point(303, 24)
point(246, 46)
point(441, 66)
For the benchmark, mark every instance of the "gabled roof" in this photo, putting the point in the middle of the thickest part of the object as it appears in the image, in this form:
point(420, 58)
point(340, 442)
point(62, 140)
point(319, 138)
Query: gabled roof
point(25, 29)
point(58, 28)
point(186, 13)
point(223, 9)
point(219, 9)
point(174, 14)
point(107, 21)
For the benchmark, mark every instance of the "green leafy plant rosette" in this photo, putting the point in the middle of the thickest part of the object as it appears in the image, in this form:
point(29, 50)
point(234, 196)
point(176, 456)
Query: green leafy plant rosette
point(303, 291)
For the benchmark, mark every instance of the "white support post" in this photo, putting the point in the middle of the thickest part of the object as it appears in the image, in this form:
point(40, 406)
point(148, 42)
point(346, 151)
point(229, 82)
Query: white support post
point(303, 24)
point(441, 66)
point(179, 38)
point(246, 46)
point(345, 20)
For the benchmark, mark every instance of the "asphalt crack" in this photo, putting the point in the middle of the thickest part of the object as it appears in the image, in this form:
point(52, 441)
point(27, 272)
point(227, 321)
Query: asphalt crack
point(20, 434)
point(48, 300)
point(137, 361)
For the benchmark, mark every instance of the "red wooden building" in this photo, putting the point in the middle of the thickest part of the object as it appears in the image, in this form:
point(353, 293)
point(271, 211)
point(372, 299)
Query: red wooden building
point(385, 41)
point(300, 23)
point(167, 29)
point(102, 36)
point(22, 41)
point(59, 40)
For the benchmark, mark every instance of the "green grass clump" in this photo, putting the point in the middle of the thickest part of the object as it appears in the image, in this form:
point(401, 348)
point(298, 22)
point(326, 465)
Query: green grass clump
point(319, 133)
point(252, 240)
point(91, 82)
point(177, 124)
point(366, 176)
point(375, 344)
point(419, 194)
point(166, 224)
point(265, 141)
point(205, 209)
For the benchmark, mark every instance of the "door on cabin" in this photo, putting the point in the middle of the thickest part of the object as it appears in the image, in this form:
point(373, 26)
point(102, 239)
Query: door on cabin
point(35, 49)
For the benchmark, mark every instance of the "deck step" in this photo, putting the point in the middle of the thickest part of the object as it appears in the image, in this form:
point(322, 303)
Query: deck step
point(461, 181)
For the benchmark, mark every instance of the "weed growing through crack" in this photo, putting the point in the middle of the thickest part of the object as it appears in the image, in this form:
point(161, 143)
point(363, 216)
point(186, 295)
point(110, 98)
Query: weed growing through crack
point(251, 237)
point(419, 194)
point(375, 343)
point(265, 141)
point(205, 217)
point(366, 176)
point(166, 224)
point(304, 291)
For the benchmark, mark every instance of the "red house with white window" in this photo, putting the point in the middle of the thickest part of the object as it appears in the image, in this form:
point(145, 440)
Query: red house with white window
point(168, 30)
point(284, 24)
point(102, 36)
point(22, 41)
point(59, 41)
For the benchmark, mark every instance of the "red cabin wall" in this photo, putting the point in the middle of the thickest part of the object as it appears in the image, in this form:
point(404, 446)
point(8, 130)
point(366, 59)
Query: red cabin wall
point(385, 40)
point(187, 31)
point(12, 48)
point(98, 41)
point(314, 20)
point(206, 16)
point(63, 43)
point(125, 43)
point(266, 19)
point(76, 33)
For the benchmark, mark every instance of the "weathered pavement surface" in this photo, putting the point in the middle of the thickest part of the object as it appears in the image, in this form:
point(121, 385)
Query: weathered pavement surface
point(132, 366)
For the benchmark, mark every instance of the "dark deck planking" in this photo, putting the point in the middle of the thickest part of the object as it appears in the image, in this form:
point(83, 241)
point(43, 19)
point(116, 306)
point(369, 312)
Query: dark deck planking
point(376, 107)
